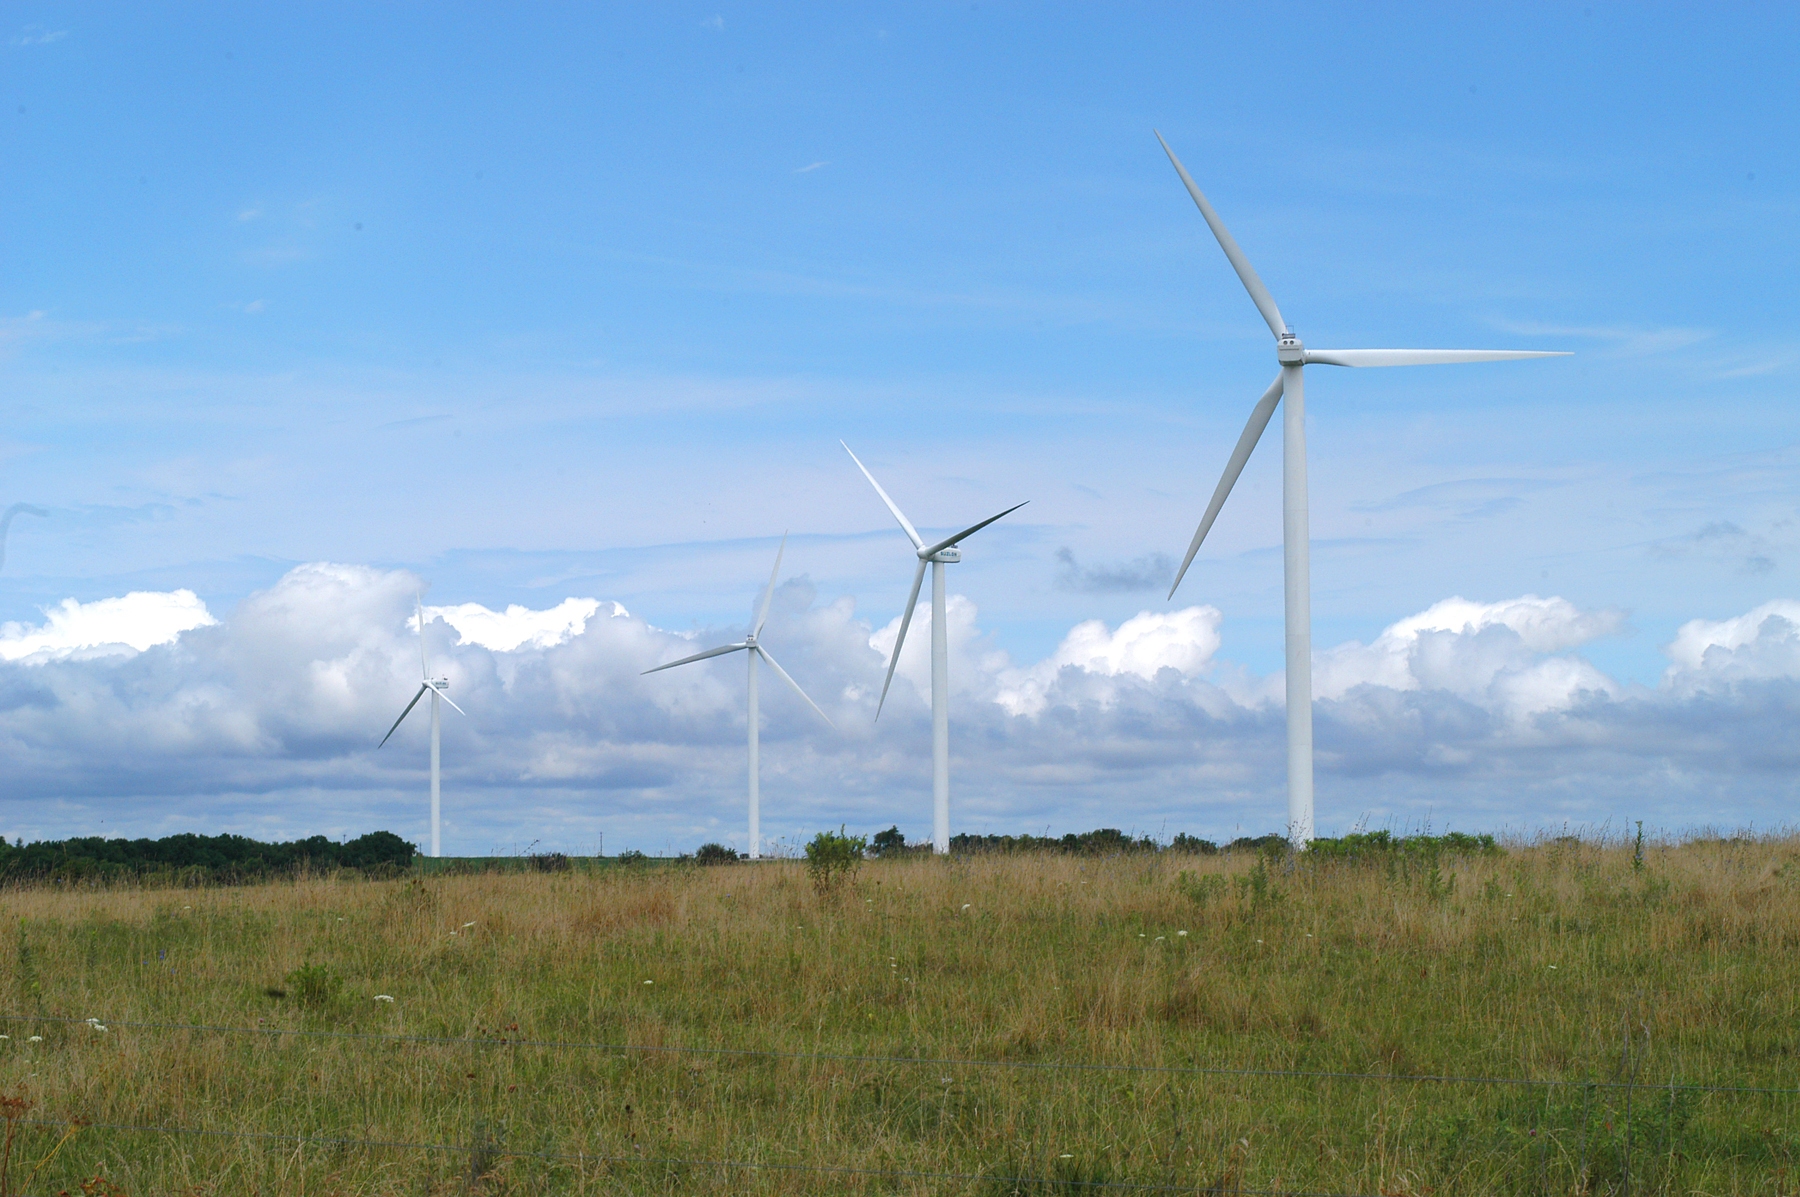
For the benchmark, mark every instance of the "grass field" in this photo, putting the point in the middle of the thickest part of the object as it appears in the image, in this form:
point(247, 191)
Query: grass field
point(1556, 962)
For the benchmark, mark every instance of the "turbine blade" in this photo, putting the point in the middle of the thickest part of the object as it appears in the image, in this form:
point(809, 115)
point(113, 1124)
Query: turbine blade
point(912, 533)
point(1419, 357)
point(944, 544)
point(912, 600)
point(1259, 294)
point(762, 613)
point(453, 706)
point(776, 666)
point(711, 652)
point(1253, 430)
point(403, 714)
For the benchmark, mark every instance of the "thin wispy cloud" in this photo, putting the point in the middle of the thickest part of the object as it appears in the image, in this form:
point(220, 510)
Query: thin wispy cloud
point(716, 23)
point(1153, 571)
point(810, 167)
point(38, 35)
point(1623, 340)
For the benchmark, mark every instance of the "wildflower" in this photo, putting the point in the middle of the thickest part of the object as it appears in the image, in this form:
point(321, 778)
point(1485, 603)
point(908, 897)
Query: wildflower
point(97, 1026)
point(35, 1039)
point(1182, 934)
point(1259, 941)
point(1065, 1156)
point(943, 1080)
point(649, 982)
point(1159, 938)
point(467, 925)
point(383, 997)
point(1552, 966)
point(965, 905)
point(5, 1036)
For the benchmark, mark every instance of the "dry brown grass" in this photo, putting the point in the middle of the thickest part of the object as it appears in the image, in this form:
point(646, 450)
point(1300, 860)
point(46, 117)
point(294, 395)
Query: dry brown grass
point(1544, 963)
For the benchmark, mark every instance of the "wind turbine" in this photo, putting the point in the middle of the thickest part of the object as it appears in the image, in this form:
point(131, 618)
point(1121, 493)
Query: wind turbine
point(438, 688)
point(1296, 564)
point(753, 648)
point(943, 553)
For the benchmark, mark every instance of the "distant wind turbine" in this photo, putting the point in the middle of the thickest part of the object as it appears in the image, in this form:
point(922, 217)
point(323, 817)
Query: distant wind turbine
point(438, 688)
point(943, 553)
point(1293, 357)
point(7, 519)
point(753, 648)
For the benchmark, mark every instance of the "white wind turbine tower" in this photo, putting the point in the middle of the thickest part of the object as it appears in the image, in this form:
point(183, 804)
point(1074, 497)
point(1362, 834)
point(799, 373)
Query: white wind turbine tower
point(753, 648)
point(943, 553)
point(438, 688)
point(1293, 357)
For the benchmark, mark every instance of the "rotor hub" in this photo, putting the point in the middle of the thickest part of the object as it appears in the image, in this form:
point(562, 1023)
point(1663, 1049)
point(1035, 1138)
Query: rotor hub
point(1289, 351)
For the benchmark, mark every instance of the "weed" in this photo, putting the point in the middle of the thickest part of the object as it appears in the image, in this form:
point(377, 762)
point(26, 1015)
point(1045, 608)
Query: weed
point(832, 857)
point(316, 986)
point(1202, 889)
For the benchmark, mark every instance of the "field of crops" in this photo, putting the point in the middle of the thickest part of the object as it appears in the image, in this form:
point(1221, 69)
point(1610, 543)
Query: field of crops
point(1554, 1018)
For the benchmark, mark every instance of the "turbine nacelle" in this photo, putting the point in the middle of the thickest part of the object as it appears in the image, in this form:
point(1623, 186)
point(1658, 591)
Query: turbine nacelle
point(949, 556)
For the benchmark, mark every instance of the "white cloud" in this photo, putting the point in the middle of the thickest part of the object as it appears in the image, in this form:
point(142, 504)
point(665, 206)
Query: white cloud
point(1481, 713)
point(1759, 645)
point(113, 626)
point(1490, 654)
point(38, 35)
point(504, 631)
point(1143, 646)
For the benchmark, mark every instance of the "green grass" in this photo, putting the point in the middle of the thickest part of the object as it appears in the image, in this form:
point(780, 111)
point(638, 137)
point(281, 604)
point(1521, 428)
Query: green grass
point(1556, 962)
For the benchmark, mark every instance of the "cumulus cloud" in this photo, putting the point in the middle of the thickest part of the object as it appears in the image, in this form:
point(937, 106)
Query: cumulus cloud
point(1759, 645)
point(1508, 657)
point(1141, 648)
point(108, 627)
point(146, 711)
point(506, 630)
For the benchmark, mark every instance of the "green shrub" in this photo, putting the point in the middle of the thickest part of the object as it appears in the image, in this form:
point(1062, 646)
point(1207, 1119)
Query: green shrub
point(1202, 889)
point(315, 986)
point(833, 856)
point(891, 842)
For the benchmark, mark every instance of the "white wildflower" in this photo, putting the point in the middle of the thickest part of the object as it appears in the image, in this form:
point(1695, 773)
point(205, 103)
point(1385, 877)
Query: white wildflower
point(466, 926)
point(383, 997)
point(35, 1039)
point(1182, 934)
point(649, 982)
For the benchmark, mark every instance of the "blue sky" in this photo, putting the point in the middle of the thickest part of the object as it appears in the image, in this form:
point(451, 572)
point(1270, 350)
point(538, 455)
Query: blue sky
point(567, 302)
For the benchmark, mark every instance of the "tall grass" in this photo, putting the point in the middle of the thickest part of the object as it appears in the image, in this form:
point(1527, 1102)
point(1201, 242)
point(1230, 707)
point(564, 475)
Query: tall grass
point(1553, 962)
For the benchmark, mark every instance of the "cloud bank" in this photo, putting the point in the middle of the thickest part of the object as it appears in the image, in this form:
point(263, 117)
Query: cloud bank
point(149, 713)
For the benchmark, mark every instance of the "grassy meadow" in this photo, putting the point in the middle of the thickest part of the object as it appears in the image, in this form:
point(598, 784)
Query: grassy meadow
point(916, 1023)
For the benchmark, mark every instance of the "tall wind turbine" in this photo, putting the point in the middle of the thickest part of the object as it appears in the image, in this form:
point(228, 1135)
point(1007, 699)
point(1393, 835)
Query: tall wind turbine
point(752, 647)
point(1296, 564)
point(943, 553)
point(438, 688)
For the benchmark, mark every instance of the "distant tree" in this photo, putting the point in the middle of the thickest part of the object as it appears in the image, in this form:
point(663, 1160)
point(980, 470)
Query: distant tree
point(1193, 844)
point(714, 854)
point(891, 842)
point(631, 856)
